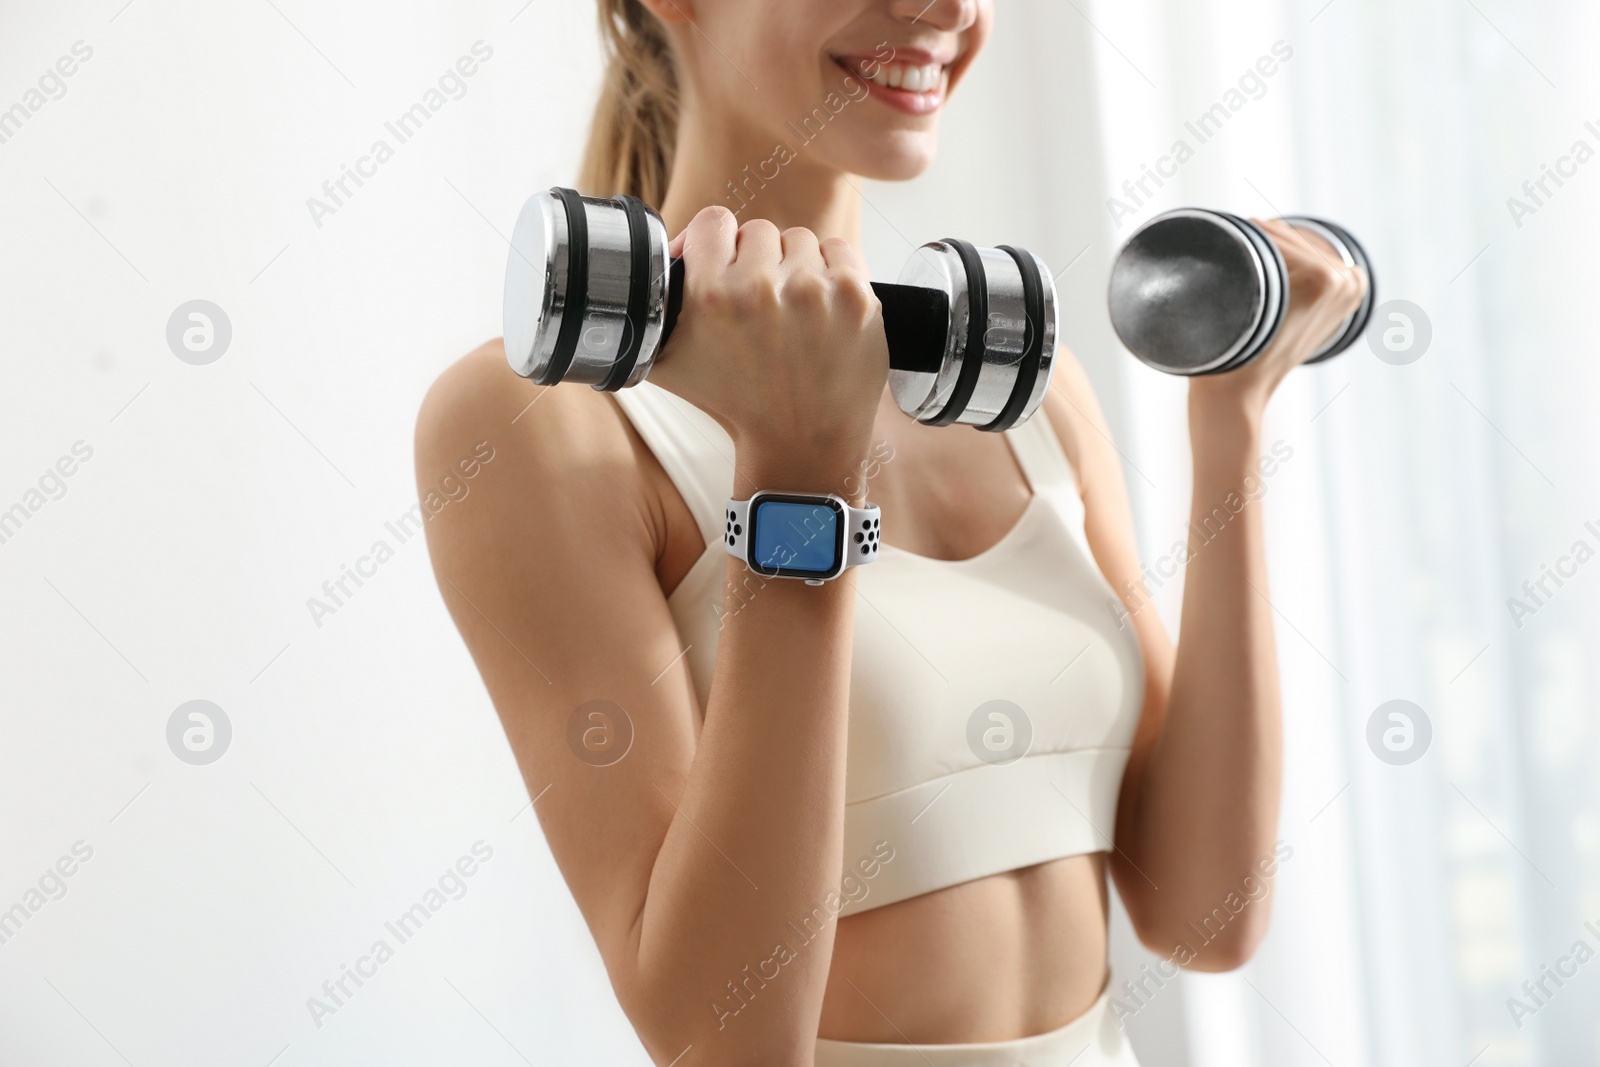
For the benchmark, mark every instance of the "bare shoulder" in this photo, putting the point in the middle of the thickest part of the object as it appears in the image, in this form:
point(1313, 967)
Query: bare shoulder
point(479, 397)
point(552, 463)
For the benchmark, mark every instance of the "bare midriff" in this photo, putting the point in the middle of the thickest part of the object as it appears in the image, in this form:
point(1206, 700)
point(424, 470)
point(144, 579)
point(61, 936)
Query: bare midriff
point(994, 959)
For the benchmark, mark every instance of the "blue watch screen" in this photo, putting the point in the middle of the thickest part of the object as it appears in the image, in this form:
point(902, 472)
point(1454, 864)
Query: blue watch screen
point(795, 537)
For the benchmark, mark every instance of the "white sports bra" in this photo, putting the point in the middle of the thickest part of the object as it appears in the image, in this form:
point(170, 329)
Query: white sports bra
point(993, 700)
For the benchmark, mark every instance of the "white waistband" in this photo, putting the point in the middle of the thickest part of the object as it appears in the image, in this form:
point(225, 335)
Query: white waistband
point(1093, 1039)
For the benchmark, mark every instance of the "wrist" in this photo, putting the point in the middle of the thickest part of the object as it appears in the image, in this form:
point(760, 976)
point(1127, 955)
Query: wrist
point(1223, 418)
point(799, 470)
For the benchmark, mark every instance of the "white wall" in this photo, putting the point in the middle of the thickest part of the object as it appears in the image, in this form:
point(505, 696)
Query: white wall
point(365, 758)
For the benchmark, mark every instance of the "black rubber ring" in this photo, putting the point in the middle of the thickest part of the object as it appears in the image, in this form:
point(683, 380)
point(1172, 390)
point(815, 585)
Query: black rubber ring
point(1363, 314)
point(638, 292)
point(1028, 368)
point(972, 358)
point(1282, 267)
point(1271, 260)
point(576, 305)
point(1264, 325)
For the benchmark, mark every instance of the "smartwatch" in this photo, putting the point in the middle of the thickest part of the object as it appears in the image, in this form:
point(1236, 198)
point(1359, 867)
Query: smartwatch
point(801, 535)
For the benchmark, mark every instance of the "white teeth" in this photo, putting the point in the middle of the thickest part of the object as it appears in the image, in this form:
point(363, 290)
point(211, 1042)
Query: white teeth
point(913, 79)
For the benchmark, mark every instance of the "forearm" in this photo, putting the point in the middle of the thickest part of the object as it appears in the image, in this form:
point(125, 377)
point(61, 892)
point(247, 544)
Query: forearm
point(756, 840)
point(1207, 810)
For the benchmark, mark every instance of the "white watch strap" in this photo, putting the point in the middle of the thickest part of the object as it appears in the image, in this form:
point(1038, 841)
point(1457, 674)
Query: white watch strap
point(862, 538)
point(862, 531)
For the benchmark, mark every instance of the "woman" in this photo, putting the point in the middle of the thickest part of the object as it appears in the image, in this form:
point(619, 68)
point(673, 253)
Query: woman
point(781, 753)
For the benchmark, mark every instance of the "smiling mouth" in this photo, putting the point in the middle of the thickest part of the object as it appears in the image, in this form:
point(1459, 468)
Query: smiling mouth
point(914, 79)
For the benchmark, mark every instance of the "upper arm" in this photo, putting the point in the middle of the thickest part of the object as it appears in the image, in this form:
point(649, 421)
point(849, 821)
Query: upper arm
point(1108, 526)
point(548, 567)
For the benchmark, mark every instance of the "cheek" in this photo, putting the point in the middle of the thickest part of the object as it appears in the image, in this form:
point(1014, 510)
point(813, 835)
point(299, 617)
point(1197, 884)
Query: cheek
point(768, 52)
point(982, 26)
point(973, 44)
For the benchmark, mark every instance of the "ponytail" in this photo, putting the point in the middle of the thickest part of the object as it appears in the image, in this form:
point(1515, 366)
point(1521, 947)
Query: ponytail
point(635, 128)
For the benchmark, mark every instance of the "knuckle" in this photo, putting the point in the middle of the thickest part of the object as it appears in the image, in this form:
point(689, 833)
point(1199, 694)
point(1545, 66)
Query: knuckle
point(1319, 281)
point(840, 251)
point(853, 294)
point(805, 289)
point(708, 293)
point(714, 215)
point(758, 228)
point(753, 291)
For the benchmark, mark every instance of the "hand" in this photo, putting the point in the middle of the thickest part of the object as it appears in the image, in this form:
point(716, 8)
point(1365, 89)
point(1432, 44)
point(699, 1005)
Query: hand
point(1322, 293)
point(781, 341)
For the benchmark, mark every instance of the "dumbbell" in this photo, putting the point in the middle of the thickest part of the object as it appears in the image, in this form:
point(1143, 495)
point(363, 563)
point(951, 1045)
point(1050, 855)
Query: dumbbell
point(591, 296)
point(1202, 292)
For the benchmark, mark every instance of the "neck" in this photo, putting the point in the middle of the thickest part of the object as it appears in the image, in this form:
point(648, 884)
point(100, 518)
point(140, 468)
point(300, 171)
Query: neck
point(780, 183)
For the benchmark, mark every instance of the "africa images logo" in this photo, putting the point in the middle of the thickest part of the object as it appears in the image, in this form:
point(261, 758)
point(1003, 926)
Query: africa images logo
point(452, 85)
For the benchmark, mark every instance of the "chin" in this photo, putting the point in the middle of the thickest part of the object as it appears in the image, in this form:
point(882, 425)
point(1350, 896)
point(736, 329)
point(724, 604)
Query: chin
point(893, 156)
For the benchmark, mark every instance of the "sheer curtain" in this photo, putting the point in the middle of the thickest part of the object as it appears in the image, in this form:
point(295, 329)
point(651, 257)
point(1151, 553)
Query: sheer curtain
point(1429, 481)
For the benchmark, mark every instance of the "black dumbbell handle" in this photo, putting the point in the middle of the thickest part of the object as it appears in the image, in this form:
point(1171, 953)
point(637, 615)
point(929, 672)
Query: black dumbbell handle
point(915, 320)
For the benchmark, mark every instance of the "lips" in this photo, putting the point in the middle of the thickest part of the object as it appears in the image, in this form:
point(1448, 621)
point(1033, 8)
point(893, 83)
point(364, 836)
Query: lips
point(911, 82)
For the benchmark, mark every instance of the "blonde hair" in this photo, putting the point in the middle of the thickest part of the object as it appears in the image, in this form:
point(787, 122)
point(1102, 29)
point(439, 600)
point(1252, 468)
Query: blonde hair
point(635, 127)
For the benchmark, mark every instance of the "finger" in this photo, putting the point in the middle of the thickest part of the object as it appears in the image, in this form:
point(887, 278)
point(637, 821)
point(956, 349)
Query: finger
point(1352, 277)
point(841, 256)
point(1290, 241)
point(1313, 258)
point(675, 246)
point(758, 245)
point(1301, 245)
point(852, 291)
point(801, 250)
point(709, 239)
